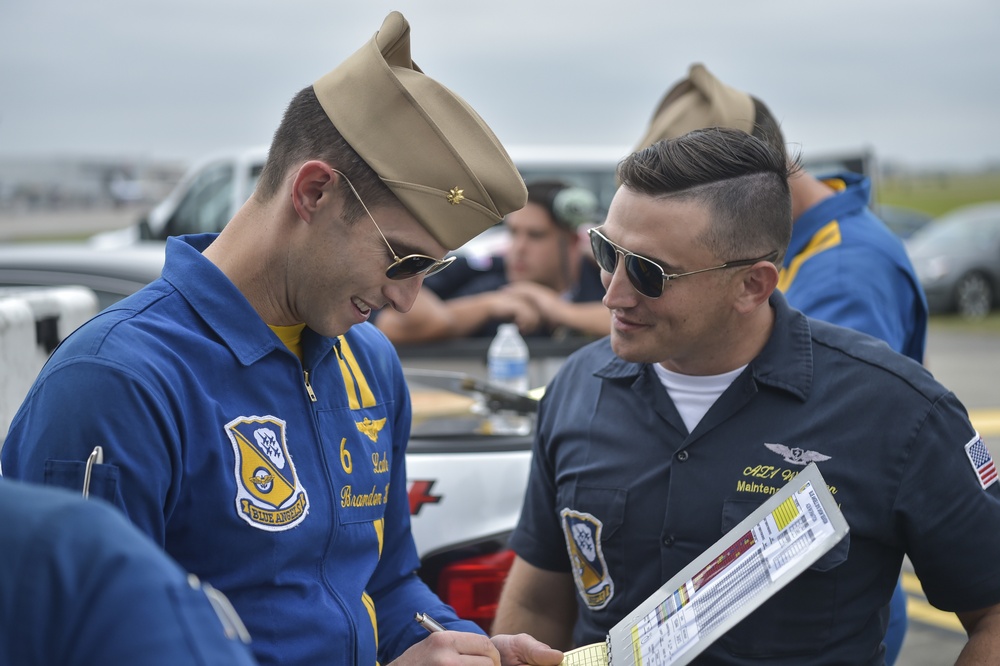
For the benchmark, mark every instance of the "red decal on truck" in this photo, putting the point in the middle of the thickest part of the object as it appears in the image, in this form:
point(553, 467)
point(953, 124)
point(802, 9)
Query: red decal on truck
point(420, 494)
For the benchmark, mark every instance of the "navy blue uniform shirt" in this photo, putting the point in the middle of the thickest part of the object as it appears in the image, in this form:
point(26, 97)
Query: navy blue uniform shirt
point(467, 277)
point(616, 474)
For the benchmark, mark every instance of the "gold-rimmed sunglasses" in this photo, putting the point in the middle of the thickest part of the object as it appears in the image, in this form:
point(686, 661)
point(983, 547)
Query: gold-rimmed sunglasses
point(409, 266)
point(645, 275)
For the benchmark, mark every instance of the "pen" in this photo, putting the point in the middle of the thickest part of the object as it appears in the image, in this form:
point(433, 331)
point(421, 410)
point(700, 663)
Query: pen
point(96, 457)
point(428, 623)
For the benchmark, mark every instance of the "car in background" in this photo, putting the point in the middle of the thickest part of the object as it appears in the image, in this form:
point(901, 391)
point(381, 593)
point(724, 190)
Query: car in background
point(465, 485)
point(112, 273)
point(903, 221)
point(204, 200)
point(957, 259)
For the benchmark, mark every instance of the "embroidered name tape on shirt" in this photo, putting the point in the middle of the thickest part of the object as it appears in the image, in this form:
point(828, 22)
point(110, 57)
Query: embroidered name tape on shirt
point(982, 461)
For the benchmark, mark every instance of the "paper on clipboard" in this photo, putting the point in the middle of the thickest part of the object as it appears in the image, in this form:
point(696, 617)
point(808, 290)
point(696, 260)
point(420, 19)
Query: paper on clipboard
point(786, 535)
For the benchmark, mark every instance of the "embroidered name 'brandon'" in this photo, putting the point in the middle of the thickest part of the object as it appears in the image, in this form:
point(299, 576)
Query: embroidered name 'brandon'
point(349, 500)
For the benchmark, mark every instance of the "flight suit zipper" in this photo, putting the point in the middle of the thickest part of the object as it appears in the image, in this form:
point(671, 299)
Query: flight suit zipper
point(309, 388)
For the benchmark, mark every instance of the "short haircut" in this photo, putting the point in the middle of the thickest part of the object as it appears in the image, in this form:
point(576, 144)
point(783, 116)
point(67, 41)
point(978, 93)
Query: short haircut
point(742, 180)
point(306, 133)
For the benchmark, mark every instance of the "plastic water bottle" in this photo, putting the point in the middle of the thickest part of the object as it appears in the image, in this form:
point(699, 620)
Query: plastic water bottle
point(507, 366)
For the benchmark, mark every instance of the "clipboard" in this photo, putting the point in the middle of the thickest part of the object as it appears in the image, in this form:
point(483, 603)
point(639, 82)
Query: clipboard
point(782, 538)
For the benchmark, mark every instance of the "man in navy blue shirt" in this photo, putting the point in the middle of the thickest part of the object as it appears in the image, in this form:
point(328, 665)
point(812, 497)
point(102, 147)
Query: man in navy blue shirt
point(708, 396)
point(843, 265)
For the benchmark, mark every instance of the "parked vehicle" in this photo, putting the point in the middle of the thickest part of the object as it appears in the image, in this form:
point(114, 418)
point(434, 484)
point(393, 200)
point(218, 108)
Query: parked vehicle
point(465, 485)
point(957, 259)
point(903, 221)
point(204, 200)
point(112, 273)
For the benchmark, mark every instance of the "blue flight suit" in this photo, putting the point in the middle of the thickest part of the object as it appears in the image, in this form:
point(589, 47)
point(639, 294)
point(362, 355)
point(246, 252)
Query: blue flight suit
point(282, 483)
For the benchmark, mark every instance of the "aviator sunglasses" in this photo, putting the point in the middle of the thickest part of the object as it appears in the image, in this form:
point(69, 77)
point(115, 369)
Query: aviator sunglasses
point(409, 266)
point(647, 276)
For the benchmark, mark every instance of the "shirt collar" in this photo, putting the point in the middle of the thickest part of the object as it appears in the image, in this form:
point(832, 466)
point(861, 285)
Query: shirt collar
point(221, 305)
point(850, 200)
point(785, 362)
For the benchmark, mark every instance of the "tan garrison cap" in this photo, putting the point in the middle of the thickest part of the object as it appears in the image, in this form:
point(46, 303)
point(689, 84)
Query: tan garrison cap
point(427, 144)
point(699, 101)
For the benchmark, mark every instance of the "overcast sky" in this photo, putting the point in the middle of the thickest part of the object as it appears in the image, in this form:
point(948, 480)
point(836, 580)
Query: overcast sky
point(916, 81)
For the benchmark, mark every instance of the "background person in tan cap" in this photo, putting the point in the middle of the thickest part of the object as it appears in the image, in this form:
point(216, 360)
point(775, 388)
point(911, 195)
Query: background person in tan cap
point(252, 423)
point(843, 264)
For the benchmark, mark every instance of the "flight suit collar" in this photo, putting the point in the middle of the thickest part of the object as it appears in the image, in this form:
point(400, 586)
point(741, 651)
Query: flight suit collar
point(223, 307)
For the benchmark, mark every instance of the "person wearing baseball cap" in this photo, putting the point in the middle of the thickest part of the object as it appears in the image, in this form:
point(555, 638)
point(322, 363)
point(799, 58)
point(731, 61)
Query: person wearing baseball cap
point(252, 423)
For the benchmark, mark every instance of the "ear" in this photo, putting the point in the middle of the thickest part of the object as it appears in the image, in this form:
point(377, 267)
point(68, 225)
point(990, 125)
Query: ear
point(312, 188)
point(759, 281)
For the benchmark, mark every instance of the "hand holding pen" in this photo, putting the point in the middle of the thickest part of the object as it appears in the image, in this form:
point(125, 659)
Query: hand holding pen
point(428, 623)
point(514, 650)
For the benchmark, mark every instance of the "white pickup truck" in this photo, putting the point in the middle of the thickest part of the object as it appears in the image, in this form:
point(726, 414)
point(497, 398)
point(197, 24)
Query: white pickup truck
point(465, 486)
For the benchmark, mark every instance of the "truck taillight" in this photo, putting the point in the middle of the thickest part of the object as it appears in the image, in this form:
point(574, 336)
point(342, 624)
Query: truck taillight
point(472, 586)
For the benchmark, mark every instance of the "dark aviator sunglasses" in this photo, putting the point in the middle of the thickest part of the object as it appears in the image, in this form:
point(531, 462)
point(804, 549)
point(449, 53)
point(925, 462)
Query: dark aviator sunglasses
point(645, 275)
point(409, 266)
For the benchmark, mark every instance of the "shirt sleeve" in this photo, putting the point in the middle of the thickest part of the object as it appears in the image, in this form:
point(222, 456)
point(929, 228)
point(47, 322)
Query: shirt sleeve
point(949, 518)
point(114, 596)
point(538, 537)
point(86, 402)
point(865, 291)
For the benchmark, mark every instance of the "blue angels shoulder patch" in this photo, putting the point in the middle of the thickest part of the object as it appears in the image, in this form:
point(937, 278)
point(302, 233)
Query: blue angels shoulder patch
point(269, 495)
point(590, 571)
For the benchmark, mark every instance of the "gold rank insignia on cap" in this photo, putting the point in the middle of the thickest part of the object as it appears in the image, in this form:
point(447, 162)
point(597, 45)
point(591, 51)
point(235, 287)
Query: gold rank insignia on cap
point(697, 102)
point(421, 138)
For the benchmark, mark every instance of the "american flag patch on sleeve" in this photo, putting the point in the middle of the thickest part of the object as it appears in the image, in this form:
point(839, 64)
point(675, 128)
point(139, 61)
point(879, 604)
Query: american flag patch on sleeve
point(982, 461)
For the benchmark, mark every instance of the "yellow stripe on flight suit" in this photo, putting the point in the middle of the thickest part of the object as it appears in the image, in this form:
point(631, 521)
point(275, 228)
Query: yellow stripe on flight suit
point(825, 238)
point(359, 394)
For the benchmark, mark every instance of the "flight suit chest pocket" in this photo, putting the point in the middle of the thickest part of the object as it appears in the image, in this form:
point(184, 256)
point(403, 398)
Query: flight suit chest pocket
point(798, 620)
point(102, 480)
point(360, 464)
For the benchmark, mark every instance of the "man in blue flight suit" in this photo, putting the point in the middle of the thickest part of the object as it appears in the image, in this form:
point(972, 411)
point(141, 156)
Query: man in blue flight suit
point(651, 442)
point(253, 423)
